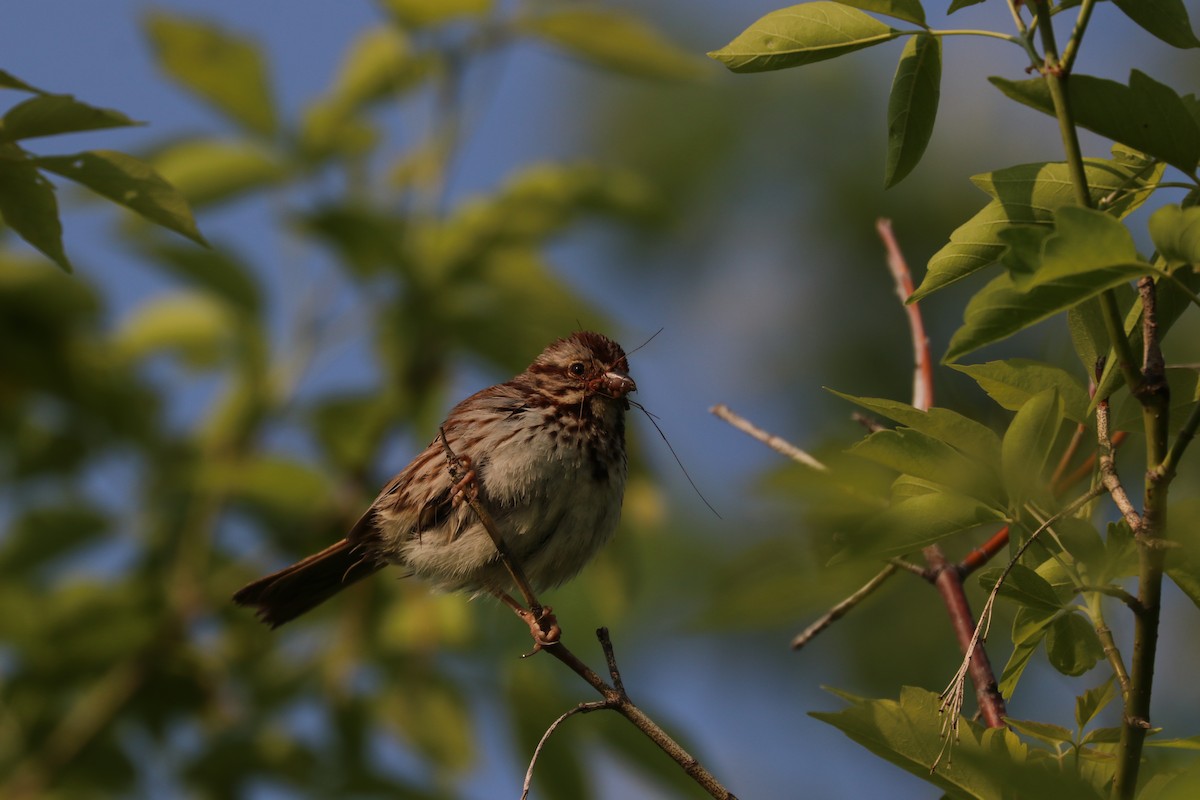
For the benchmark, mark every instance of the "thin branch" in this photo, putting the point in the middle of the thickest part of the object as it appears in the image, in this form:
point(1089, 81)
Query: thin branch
point(952, 695)
point(945, 578)
point(1125, 597)
point(984, 553)
point(457, 472)
point(922, 368)
point(843, 608)
point(614, 696)
point(1108, 471)
point(776, 443)
point(582, 708)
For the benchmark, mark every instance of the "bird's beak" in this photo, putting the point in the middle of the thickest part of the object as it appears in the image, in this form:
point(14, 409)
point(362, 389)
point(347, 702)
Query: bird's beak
point(617, 385)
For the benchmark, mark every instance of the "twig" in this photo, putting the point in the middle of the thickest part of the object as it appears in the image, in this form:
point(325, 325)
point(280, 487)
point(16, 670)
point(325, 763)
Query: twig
point(922, 368)
point(952, 695)
point(1108, 471)
point(614, 696)
point(842, 608)
point(582, 708)
point(776, 443)
point(945, 577)
point(1125, 597)
point(506, 557)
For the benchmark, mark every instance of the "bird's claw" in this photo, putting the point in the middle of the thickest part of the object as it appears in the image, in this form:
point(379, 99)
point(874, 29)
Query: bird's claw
point(465, 487)
point(544, 629)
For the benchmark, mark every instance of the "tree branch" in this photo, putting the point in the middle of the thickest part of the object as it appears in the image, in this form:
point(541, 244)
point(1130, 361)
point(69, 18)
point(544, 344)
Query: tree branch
point(614, 696)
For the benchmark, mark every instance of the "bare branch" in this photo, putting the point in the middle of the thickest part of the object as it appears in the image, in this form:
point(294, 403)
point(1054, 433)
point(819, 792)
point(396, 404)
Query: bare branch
point(842, 608)
point(922, 367)
point(582, 708)
point(779, 445)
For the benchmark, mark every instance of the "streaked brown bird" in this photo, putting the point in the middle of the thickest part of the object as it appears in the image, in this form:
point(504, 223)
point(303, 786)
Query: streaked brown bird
point(546, 452)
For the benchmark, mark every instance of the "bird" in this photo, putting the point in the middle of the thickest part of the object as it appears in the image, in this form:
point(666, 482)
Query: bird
point(543, 453)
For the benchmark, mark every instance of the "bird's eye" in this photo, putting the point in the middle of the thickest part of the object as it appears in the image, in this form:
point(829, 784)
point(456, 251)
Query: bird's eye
point(577, 369)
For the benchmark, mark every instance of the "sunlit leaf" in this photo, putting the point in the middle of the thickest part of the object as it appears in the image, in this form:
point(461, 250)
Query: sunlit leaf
point(1000, 309)
point(1029, 194)
point(284, 487)
point(52, 114)
point(907, 10)
point(129, 182)
point(427, 13)
point(800, 35)
point(1028, 443)
point(912, 523)
point(226, 70)
point(922, 456)
point(1025, 586)
point(1045, 731)
point(210, 170)
point(963, 433)
point(1146, 115)
point(1176, 234)
point(381, 63)
point(611, 39)
point(912, 106)
point(195, 326)
point(1013, 381)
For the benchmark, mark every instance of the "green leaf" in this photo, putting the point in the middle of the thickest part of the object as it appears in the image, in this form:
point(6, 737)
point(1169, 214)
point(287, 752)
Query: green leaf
point(1013, 381)
point(1025, 586)
point(962, 433)
point(350, 428)
point(431, 13)
point(129, 182)
point(227, 71)
point(283, 487)
point(1166, 19)
point(1030, 194)
point(53, 114)
point(209, 170)
point(217, 270)
point(907, 10)
point(1084, 241)
point(1105, 736)
point(1072, 645)
point(800, 35)
point(196, 326)
point(1088, 334)
point(380, 64)
point(10, 81)
point(929, 459)
point(1028, 443)
point(1175, 232)
point(1093, 701)
point(917, 521)
point(913, 453)
point(912, 106)
point(1145, 115)
point(957, 5)
point(1044, 731)
point(1000, 309)
point(28, 205)
point(907, 734)
point(1022, 654)
point(612, 40)
point(987, 763)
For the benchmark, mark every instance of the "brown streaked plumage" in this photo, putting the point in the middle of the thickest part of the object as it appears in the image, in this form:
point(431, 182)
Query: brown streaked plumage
point(548, 452)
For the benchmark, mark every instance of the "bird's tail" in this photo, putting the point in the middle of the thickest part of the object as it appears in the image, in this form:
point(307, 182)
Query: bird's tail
point(288, 593)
